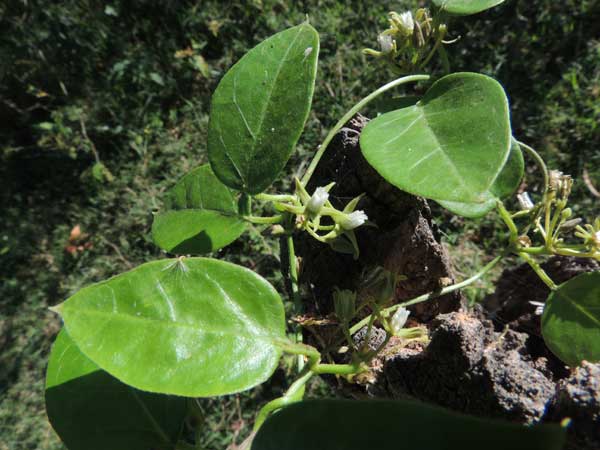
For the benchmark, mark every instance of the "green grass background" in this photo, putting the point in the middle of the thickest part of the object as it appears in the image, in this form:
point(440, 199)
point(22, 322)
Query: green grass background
point(112, 69)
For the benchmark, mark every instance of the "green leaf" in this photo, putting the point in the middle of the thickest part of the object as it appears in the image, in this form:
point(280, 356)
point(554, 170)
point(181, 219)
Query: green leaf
point(91, 410)
point(466, 7)
point(395, 425)
point(200, 215)
point(511, 175)
point(46, 126)
point(157, 78)
point(450, 146)
point(571, 320)
point(259, 109)
point(505, 185)
point(195, 327)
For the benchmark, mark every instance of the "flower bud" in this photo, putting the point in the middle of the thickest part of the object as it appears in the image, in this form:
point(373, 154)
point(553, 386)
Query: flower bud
point(353, 220)
point(380, 284)
point(399, 320)
point(554, 180)
point(386, 43)
point(418, 39)
point(277, 229)
point(596, 239)
point(570, 224)
point(317, 201)
point(539, 307)
point(566, 186)
point(524, 241)
point(404, 22)
point(344, 304)
point(525, 201)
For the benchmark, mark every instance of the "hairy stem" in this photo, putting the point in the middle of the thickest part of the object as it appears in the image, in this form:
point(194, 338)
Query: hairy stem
point(355, 109)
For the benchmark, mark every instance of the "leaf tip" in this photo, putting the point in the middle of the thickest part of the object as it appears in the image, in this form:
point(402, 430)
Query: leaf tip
point(56, 309)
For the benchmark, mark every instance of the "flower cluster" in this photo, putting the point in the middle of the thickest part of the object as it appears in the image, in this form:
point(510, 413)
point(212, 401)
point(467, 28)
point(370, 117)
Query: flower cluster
point(590, 234)
point(552, 219)
point(338, 231)
point(409, 42)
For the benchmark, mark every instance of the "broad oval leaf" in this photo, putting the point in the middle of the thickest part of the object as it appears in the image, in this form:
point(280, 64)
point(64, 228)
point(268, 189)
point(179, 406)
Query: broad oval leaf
point(394, 425)
point(450, 146)
point(571, 320)
point(91, 410)
point(200, 215)
point(259, 109)
point(505, 185)
point(191, 326)
point(466, 7)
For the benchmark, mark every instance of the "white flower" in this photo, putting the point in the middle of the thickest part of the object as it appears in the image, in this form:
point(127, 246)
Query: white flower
point(317, 201)
point(399, 320)
point(525, 201)
point(554, 179)
point(406, 21)
point(386, 43)
point(539, 308)
point(353, 220)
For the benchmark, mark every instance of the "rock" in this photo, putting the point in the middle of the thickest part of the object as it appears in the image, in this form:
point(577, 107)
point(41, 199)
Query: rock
point(578, 398)
point(469, 367)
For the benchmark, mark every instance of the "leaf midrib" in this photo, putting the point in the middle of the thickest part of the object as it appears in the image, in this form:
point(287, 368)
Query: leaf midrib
point(457, 173)
point(580, 308)
point(216, 211)
point(268, 337)
point(153, 422)
point(262, 115)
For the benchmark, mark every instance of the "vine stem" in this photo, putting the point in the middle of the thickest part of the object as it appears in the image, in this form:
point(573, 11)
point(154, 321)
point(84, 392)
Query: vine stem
point(336, 369)
point(263, 220)
point(276, 197)
point(295, 392)
point(435, 48)
point(292, 395)
point(356, 108)
point(422, 298)
point(295, 292)
point(507, 218)
point(539, 271)
point(539, 161)
point(567, 251)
